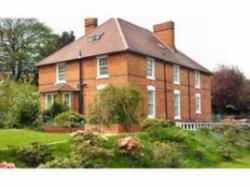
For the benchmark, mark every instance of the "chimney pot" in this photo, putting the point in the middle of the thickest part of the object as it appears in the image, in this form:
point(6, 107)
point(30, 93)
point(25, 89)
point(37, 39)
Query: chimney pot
point(90, 24)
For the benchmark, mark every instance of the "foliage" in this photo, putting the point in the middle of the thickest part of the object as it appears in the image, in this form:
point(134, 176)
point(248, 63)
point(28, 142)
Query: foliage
point(64, 39)
point(69, 119)
point(54, 110)
point(22, 41)
point(166, 155)
point(35, 154)
point(19, 104)
point(156, 123)
point(62, 162)
point(116, 105)
point(230, 91)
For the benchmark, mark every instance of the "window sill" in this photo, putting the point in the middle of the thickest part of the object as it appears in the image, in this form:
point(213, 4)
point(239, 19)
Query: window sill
point(198, 112)
point(197, 87)
point(60, 82)
point(151, 78)
point(177, 117)
point(177, 83)
point(102, 77)
point(151, 116)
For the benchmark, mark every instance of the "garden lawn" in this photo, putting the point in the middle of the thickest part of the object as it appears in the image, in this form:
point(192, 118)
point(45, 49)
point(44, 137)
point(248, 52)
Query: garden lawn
point(19, 137)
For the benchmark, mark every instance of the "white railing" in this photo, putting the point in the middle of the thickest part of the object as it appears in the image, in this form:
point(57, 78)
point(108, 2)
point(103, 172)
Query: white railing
point(195, 125)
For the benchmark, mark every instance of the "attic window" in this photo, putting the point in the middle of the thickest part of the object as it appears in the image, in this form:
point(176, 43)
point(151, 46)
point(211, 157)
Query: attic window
point(95, 37)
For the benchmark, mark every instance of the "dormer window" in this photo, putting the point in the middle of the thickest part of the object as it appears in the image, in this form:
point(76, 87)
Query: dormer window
point(150, 68)
point(197, 79)
point(95, 37)
point(102, 67)
point(176, 74)
point(60, 73)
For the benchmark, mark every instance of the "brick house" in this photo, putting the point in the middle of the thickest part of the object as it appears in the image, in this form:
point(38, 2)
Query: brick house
point(119, 53)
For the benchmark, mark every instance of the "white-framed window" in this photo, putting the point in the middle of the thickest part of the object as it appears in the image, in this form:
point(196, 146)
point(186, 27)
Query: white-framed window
point(67, 99)
point(60, 73)
point(49, 100)
point(176, 74)
point(102, 67)
point(150, 68)
point(177, 104)
point(102, 86)
point(198, 103)
point(151, 101)
point(197, 79)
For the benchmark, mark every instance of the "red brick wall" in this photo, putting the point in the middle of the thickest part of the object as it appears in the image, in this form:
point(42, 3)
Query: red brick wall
point(130, 68)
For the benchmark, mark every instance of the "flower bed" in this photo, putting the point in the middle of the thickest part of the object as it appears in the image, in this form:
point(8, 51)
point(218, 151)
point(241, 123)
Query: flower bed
point(114, 128)
point(51, 129)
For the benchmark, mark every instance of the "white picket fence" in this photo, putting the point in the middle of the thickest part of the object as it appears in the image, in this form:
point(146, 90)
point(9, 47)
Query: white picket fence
point(195, 125)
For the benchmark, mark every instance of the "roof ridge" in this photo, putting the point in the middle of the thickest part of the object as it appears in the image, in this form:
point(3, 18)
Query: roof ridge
point(134, 25)
point(121, 33)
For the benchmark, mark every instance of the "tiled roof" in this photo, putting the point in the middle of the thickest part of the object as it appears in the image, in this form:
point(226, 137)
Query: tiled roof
point(119, 35)
point(60, 88)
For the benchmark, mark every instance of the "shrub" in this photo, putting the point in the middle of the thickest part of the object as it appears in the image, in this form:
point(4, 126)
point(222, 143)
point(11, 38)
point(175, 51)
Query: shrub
point(19, 104)
point(231, 135)
point(116, 105)
point(54, 110)
point(35, 154)
point(89, 152)
point(226, 153)
point(69, 119)
point(61, 162)
point(166, 155)
point(156, 123)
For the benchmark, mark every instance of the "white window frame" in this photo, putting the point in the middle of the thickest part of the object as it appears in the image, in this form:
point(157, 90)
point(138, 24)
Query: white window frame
point(197, 79)
point(198, 110)
point(177, 117)
point(178, 81)
point(46, 100)
point(99, 76)
point(151, 77)
point(57, 73)
point(152, 88)
point(70, 98)
point(102, 86)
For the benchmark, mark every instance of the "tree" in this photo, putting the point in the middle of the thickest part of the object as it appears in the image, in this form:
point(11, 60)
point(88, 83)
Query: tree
point(229, 90)
point(22, 43)
point(65, 39)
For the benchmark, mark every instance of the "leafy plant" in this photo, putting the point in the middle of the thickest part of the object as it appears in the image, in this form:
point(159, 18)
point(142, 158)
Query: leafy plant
point(116, 105)
point(69, 119)
point(35, 154)
point(166, 155)
point(54, 110)
point(156, 123)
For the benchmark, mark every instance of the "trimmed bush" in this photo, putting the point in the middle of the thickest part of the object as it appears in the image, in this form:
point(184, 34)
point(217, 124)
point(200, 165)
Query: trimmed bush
point(166, 155)
point(156, 123)
point(114, 105)
point(35, 154)
point(69, 119)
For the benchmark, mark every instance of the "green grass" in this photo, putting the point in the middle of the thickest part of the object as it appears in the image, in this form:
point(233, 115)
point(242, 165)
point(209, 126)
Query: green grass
point(19, 137)
point(15, 138)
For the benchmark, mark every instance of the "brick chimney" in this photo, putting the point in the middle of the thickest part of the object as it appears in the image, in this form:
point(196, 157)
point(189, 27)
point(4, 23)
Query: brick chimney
point(90, 24)
point(165, 33)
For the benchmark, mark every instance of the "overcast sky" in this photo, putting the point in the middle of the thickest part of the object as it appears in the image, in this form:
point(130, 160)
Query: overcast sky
point(211, 32)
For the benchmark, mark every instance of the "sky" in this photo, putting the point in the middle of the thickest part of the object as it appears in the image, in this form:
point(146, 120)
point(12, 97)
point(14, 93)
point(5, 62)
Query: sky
point(212, 32)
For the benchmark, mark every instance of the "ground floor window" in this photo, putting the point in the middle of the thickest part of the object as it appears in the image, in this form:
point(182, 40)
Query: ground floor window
point(49, 100)
point(67, 99)
point(177, 104)
point(151, 101)
point(198, 103)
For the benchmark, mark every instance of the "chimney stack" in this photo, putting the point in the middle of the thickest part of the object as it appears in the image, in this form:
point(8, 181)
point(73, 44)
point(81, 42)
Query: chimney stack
point(165, 33)
point(90, 24)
